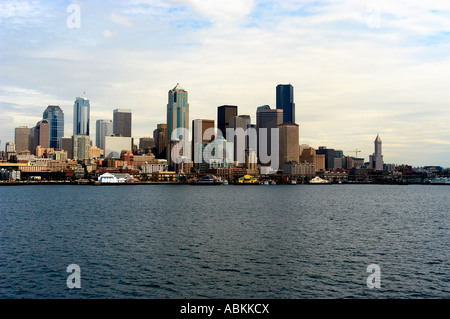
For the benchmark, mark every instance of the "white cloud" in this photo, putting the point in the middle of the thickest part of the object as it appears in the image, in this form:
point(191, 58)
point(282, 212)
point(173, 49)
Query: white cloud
point(107, 34)
point(120, 20)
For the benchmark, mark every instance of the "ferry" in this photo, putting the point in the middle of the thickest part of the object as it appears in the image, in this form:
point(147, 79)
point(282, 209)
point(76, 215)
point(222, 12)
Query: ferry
point(318, 180)
point(247, 180)
point(207, 180)
point(440, 180)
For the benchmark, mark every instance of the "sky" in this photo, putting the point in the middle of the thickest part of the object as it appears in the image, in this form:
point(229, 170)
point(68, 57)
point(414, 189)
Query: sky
point(358, 68)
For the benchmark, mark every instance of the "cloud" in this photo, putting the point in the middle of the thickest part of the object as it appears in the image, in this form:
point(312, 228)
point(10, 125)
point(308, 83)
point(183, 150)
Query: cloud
point(107, 34)
point(118, 19)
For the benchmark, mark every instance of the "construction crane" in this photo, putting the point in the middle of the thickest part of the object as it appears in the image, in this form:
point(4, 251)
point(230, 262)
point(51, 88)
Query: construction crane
point(356, 152)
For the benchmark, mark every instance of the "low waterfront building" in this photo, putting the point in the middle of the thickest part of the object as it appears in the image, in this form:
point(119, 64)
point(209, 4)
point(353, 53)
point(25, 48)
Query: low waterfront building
point(295, 169)
point(153, 167)
point(108, 178)
point(9, 175)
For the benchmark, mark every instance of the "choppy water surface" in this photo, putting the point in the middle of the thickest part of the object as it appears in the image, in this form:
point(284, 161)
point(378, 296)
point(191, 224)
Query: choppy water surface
point(180, 241)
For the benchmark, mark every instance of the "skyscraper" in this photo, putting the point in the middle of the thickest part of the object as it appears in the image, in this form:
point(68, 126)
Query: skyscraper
point(329, 156)
point(81, 116)
point(122, 123)
point(199, 126)
point(285, 102)
point(160, 138)
point(177, 112)
point(67, 145)
point(224, 114)
point(55, 116)
point(39, 135)
point(240, 122)
point(81, 145)
point(376, 160)
point(21, 136)
point(289, 143)
point(267, 118)
point(103, 128)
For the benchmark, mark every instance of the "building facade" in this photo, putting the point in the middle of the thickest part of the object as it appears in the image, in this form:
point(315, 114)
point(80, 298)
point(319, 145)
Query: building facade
point(285, 102)
point(102, 128)
point(177, 112)
point(81, 116)
point(81, 145)
point(288, 143)
point(122, 122)
point(114, 145)
point(199, 138)
point(39, 135)
point(160, 137)
point(21, 137)
point(376, 160)
point(224, 114)
point(55, 116)
point(266, 120)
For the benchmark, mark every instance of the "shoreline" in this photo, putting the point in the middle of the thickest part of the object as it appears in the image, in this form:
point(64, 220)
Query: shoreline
point(187, 183)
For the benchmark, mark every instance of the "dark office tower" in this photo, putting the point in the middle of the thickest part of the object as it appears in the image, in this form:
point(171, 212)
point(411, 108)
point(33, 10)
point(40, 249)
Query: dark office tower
point(81, 116)
point(285, 102)
point(55, 117)
point(240, 122)
point(267, 118)
point(329, 156)
point(224, 114)
point(39, 135)
point(122, 123)
point(22, 134)
point(146, 144)
point(160, 139)
point(67, 145)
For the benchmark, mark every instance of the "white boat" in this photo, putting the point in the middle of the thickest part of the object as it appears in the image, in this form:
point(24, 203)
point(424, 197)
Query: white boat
point(293, 183)
point(266, 183)
point(318, 180)
point(440, 180)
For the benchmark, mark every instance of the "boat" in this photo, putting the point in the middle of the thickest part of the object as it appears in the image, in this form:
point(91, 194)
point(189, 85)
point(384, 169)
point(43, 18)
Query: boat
point(440, 180)
point(293, 183)
point(207, 180)
point(318, 180)
point(266, 183)
point(225, 182)
point(247, 180)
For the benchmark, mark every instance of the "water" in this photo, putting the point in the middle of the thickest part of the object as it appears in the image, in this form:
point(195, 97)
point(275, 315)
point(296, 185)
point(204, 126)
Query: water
point(181, 241)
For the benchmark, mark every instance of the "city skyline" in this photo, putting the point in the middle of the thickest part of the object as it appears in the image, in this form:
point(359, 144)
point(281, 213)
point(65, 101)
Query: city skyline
point(358, 70)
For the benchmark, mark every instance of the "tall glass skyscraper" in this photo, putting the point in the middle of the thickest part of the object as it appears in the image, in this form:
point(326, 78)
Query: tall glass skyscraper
point(285, 102)
point(81, 115)
point(55, 116)
point(177, 111)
